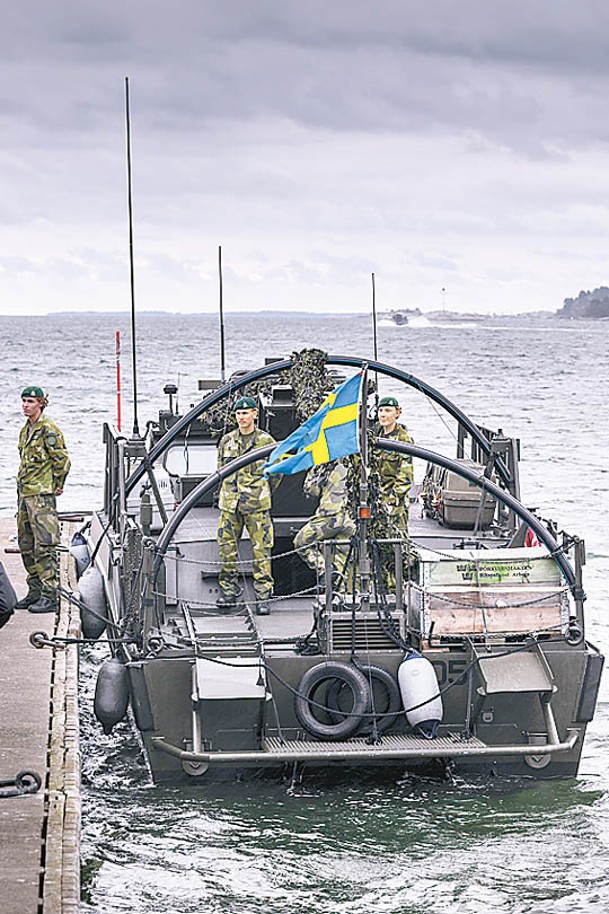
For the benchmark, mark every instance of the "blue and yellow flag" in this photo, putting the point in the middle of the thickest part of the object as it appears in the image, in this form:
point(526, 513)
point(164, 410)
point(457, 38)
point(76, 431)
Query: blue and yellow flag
point(330, 433)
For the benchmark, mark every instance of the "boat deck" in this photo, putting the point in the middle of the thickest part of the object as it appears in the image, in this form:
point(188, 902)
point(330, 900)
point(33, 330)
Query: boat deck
point(291, 617)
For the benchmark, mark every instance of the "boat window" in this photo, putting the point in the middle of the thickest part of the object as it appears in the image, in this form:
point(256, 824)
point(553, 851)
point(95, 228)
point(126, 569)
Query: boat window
point(194, 460)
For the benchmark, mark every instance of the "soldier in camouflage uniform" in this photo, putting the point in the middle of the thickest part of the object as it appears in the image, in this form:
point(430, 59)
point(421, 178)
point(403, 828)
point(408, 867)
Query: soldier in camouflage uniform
point(42, 473)
point(245, 501)
point(331, 520)
point(393, 474)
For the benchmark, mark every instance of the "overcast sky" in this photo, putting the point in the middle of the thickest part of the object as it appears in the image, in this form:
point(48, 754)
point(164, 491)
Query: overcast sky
point(457, 146)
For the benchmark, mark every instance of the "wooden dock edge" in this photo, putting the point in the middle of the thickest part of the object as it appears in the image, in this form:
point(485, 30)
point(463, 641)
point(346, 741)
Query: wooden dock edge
point(61, 847)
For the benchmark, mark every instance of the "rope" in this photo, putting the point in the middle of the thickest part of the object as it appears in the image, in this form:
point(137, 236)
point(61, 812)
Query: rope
point(308, 591)
point(455, 602)
point(441, 691)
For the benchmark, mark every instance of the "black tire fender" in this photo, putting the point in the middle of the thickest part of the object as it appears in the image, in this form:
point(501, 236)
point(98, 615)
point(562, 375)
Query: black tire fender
point(387, 716)
point(306, 706)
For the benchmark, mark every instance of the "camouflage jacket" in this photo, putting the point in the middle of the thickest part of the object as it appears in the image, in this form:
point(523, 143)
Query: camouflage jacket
point(328, 482)
point(44, 458)
point(395, 472)
point(246, 490)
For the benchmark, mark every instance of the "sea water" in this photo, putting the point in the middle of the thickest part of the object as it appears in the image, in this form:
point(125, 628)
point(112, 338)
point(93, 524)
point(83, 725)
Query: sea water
point(404, 847)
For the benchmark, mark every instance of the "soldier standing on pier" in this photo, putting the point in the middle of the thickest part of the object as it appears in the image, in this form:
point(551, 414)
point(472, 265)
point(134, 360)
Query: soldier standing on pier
point(245, 501)
point(43, 468)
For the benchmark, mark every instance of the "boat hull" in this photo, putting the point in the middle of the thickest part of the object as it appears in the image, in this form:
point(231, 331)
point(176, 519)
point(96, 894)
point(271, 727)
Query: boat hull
point(239, 738)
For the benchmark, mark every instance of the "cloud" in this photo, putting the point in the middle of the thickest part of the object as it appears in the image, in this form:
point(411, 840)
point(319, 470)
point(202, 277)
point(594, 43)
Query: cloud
point(427, 142)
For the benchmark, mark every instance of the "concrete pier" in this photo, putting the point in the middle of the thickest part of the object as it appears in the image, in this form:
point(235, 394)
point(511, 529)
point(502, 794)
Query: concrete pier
point(39, 832)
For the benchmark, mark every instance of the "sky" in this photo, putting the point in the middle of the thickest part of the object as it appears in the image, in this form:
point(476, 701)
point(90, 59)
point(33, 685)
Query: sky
point(458, 151)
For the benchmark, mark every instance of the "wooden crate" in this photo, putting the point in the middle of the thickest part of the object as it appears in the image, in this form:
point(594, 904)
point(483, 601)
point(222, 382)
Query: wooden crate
point(492, 591)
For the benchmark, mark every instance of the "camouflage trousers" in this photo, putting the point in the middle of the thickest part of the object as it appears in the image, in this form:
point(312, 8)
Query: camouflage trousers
point(260, 529)
point(394, 526)
point(38, 537)
point(322, 527)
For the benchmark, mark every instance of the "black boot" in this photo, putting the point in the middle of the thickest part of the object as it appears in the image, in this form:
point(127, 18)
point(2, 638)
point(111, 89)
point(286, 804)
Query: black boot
point(227, 601)
point(31, 597)
point(43, 605)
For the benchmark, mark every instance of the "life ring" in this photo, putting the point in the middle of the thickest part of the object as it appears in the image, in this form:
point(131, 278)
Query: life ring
point(310, 702)
point(387, 705)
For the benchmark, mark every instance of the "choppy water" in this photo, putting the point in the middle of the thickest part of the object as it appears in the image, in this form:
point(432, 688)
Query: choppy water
point(401, 848)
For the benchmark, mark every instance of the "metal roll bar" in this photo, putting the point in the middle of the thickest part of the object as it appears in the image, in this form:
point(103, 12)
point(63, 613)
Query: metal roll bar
point(231, 386)
point(387, 444)
point(496, 491)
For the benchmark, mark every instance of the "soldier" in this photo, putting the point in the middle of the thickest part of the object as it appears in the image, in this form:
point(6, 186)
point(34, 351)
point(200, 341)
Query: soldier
point(331, 520)
point(394, 476)
point(245, 500)
point(42, 473)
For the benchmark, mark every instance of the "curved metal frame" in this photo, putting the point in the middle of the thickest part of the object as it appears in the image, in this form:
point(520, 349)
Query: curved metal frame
point(496, 491)
point(206, 485)
point(209, 484)
point(268, 370)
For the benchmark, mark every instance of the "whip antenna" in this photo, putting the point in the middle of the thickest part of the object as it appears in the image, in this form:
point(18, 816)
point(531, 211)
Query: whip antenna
point(118, 380)
point(376, 357)
point(222, 353)
point(136, 428)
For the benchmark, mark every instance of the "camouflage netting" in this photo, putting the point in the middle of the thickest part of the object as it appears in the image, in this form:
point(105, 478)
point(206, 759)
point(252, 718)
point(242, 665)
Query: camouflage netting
point(311, 380)
point(308, 376)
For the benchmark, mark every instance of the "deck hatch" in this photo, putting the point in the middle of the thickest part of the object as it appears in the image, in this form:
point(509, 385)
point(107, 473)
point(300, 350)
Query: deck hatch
point(221, 678)
point(519, 671)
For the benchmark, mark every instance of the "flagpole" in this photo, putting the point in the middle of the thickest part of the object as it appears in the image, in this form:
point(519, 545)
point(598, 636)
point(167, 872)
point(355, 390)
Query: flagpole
point(364, 507)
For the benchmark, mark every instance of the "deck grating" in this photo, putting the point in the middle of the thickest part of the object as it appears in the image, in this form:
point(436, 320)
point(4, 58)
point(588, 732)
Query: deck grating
point(414, 744)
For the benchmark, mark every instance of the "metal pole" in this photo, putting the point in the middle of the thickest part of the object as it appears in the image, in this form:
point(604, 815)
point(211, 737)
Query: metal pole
point(118, 380)
point(222, 345)
point(364, 507)
point(136, 428)
point(376, 355)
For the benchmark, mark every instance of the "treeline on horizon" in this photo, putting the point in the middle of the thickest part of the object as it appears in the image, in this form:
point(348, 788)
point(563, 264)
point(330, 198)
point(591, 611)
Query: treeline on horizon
point(588, 304)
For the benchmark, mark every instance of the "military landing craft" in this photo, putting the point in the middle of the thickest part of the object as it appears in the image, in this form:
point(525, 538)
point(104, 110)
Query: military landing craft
point(476, 660)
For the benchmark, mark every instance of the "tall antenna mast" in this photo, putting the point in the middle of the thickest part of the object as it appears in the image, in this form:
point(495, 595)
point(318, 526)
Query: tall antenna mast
point(364, 494)
point(376, 355)
point(136, 428)
point(222, 354)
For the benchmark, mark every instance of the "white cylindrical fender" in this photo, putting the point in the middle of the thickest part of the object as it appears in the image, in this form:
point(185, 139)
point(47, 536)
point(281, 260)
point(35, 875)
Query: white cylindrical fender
point(420, 694)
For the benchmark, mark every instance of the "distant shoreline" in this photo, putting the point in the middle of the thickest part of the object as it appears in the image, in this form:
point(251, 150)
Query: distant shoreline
point(408, 316)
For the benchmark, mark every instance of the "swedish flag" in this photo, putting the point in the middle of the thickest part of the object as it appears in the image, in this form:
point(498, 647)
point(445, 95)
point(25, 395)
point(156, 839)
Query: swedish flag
point(330, 433)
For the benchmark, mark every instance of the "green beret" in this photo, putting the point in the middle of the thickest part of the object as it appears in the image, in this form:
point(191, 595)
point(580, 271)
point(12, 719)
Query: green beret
point(389, 401)
point(32, 391)
point(245, 403)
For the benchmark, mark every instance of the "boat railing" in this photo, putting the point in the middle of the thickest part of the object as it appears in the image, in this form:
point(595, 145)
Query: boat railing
point(112, 439)
point(143, 608)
